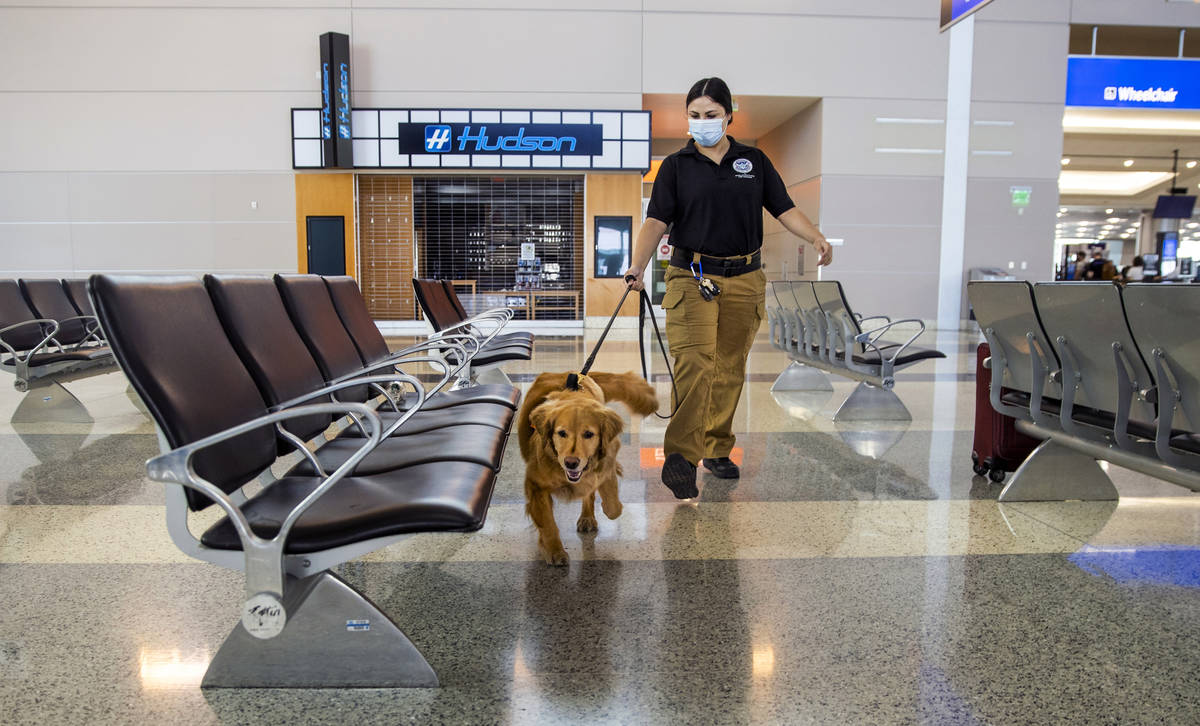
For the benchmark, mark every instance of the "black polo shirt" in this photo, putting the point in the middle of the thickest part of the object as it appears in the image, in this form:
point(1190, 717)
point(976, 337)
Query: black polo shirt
point(717, 210)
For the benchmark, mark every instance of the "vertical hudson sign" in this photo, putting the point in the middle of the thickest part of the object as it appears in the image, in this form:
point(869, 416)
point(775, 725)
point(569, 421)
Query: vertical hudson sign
point(335, 101)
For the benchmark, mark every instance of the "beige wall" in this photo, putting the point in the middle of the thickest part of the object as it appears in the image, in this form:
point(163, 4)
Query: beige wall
point(138, 133)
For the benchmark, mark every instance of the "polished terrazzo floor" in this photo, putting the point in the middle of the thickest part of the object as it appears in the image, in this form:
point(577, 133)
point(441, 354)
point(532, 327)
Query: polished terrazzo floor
point(855, 574)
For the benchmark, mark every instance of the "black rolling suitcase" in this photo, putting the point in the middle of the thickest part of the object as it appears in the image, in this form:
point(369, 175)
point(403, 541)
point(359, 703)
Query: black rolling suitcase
point(999, 448)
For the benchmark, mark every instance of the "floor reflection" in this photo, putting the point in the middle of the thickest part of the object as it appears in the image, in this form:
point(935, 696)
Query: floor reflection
point(108, 470)
point(705, 632)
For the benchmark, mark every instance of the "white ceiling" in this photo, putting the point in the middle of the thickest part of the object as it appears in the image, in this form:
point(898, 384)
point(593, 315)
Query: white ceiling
point(1102, 140)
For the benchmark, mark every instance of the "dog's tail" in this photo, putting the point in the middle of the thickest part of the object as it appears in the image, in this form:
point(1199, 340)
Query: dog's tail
point(629, 389)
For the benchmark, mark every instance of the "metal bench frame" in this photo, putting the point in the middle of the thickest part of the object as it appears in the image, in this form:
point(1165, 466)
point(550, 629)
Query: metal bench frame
point(1065, 466)
point(820, 339)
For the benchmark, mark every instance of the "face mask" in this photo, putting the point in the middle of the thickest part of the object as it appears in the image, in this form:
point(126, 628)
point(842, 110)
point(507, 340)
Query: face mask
point(706, 131)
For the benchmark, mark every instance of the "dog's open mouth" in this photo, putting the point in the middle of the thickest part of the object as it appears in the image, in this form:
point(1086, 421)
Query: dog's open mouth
point(574, 475)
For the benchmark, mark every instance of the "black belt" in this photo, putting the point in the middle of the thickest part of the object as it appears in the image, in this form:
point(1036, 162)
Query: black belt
point(717, 266)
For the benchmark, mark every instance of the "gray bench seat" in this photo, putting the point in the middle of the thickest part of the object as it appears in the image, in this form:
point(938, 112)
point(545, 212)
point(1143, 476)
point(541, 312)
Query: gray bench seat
point(814, 324)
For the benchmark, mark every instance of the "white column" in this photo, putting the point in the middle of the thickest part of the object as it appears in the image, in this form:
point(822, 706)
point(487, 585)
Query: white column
point(954, 182)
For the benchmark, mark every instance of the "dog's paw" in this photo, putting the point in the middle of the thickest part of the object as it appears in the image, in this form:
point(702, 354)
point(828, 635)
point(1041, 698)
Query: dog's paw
point(612, 511)
point(557, 558)
point(587, 525)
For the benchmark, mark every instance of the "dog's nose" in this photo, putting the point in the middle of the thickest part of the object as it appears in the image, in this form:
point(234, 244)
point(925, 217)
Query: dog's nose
point(571, 462)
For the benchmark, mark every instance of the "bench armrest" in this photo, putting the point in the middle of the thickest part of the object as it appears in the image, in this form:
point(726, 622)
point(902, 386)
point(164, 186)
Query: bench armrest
point(888, 365)
point(44, 322)
point(364, 380)
point(91, 325)
point(264, 558)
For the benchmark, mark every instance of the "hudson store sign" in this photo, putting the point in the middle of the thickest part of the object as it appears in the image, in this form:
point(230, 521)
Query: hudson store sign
point(1133, 82)
point(386, 138)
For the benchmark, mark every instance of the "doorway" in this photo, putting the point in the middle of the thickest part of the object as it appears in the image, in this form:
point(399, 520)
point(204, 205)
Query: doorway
point(326, 237)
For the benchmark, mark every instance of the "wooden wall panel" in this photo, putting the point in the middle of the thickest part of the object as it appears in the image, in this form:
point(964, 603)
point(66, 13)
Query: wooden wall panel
point(386, 245)
point(323, 194)
point(616, 195)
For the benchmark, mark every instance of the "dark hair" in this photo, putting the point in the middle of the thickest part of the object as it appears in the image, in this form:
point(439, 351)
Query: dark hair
point(715, 89)
point(1138, 261)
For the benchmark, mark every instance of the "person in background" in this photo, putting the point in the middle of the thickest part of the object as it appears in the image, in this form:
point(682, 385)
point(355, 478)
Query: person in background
point(1100, 268)
point(1076, 268)
point(1134, 272)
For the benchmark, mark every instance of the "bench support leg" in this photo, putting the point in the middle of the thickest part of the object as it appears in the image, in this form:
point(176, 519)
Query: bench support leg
point(1054, 473)
point(51, 404)
point(799, 377)
point(493, 375)
point(334, 638)
point(872, 403)
point(136, 400)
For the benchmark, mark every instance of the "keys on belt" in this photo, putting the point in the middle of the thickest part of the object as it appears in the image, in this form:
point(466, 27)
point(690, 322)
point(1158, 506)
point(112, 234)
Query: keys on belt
point(708, 288)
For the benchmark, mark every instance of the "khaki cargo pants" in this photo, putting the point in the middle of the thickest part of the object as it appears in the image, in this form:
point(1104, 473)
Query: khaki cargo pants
point(709, 341)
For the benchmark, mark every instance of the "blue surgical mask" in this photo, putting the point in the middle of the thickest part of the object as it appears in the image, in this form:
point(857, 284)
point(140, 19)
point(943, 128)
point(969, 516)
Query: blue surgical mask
point(707, 131)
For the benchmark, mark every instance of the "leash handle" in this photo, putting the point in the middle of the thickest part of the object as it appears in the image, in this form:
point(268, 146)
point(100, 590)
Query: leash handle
point(587, 366)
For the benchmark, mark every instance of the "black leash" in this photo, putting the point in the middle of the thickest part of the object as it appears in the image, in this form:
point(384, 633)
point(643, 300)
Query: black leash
point(644, 306)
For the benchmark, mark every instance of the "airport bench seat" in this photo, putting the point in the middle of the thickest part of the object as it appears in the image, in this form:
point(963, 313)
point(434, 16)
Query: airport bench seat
point(814, 324)
point(445, 314)
point(284, 533)
point(44, 343)
point(285, 371)
point(1069, 362)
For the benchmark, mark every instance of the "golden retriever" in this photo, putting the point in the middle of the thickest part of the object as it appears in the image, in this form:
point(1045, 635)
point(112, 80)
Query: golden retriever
point(569, 440)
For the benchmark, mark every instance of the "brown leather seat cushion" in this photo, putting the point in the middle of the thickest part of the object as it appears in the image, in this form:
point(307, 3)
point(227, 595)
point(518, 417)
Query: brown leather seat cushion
point(488, 414)
point(476, 443)
point(442, 496)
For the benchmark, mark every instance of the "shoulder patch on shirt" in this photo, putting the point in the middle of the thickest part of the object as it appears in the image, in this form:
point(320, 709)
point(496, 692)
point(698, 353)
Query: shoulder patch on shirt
point(742, 166)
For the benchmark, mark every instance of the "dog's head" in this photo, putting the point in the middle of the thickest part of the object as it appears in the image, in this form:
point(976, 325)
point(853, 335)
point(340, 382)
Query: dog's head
point(577, 431)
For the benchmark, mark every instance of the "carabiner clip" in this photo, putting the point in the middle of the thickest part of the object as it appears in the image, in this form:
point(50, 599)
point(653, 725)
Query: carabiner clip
point(693, 267)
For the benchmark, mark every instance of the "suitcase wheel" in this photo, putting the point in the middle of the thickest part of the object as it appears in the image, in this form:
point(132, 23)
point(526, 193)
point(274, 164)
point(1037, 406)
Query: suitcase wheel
point(996, 475)
point(980, 469)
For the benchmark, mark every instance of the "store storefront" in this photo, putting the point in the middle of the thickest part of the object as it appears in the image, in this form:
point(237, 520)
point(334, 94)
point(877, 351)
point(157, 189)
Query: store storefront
point(534, 210)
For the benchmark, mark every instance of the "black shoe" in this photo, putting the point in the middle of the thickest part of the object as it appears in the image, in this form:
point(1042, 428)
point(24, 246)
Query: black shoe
point(679, 475)
point(723, 468)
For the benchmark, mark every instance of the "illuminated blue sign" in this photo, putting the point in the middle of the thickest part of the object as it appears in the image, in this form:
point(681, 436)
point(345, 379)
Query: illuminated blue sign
point(437, 138)
point(1133, 82)
point(326, 104)
point(955, 10)
point(489, 138)
point(343, 100)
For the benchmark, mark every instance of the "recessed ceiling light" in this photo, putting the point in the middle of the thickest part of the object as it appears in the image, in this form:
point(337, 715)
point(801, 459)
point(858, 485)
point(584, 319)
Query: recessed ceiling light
point(1108, 211)
point(1067, 160)
point(1128, 162)
point(1191, 165)
point(1112, 220)
point(1193, 225)
point(1126, 236)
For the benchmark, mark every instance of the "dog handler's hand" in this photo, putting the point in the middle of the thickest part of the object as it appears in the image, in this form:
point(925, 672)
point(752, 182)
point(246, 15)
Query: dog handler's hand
point(633, 279)
point(824, 251)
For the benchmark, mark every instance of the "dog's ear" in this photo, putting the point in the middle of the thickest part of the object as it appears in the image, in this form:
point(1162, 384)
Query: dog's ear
point(542, 419)
point(611, 426)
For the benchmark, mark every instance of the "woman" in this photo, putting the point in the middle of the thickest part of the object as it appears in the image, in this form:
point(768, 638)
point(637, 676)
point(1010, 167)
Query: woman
point(1135, 272)
point(712, 193)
